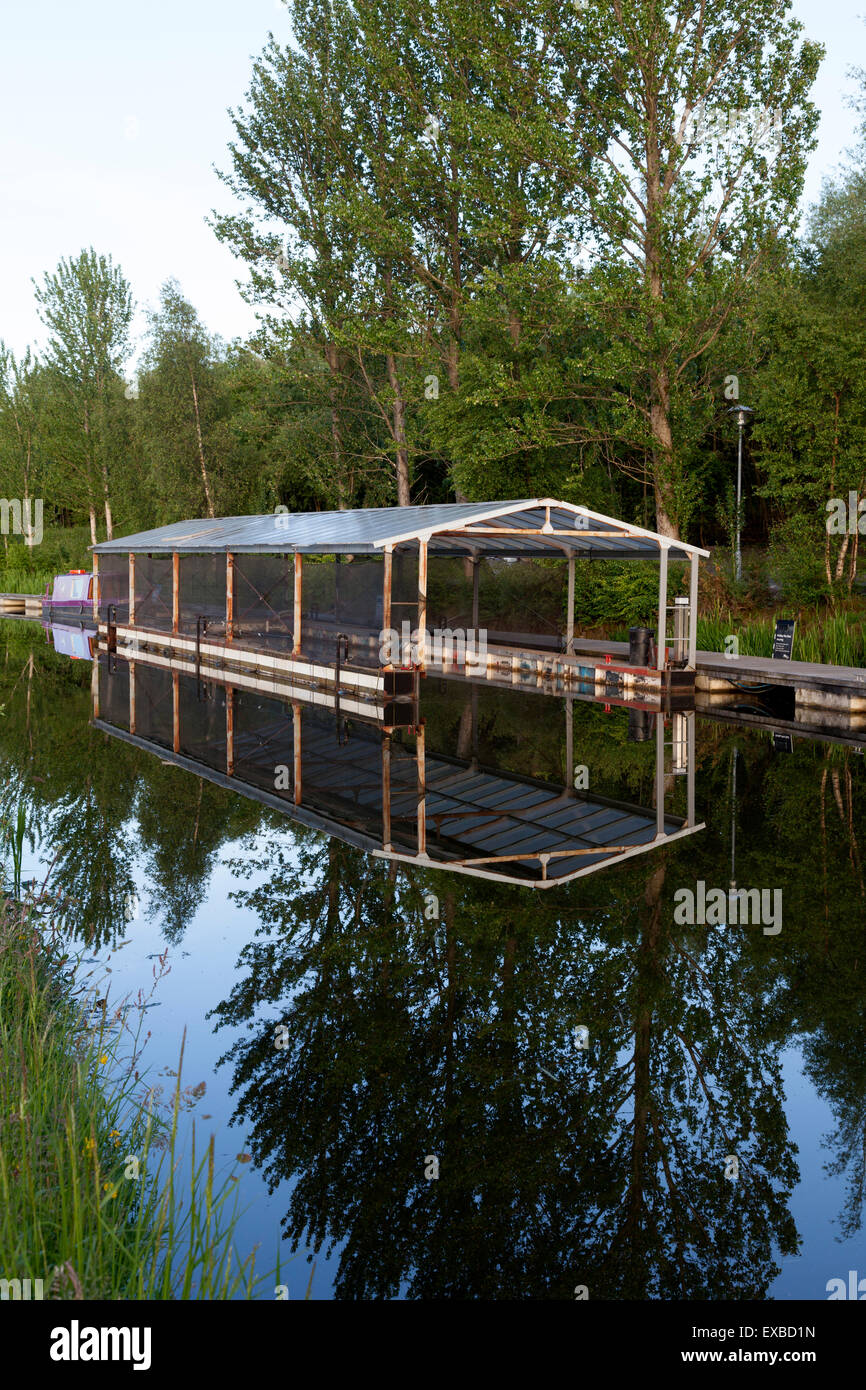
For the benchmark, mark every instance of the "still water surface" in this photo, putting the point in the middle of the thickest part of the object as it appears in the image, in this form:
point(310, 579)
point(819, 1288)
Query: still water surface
point(431, 1015)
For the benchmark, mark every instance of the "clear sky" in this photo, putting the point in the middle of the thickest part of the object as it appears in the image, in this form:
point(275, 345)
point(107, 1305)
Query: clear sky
point(113, 116)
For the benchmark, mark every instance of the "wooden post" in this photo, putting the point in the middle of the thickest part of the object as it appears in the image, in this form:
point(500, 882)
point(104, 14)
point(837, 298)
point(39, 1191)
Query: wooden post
point(422, 604)
point(693, 611)
point(299, 591)
point(175, 709)
point(474, 698)
point(569, 612)
point(94, 688)
point(95, 586)
point(660, 772)
point(386, 792)
point(663, 607)
point(132, 697)
point(230, 595)
point(230, 730)
point(476, 579)
point(422, 789)
point(175, 591)
point(569, 744)
point(386, 600)
point(131, 590)
point(296, 729)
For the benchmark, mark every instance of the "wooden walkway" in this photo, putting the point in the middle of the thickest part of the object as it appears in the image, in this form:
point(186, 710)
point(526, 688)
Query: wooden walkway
point(18, 604)
point(815, 684)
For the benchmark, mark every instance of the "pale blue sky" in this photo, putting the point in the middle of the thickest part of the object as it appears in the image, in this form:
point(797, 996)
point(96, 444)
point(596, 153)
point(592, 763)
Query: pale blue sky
point(113, 116)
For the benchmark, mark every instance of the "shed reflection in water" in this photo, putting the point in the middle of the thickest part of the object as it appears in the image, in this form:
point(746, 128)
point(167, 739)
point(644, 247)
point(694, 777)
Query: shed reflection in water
point(447, 1052)
point(438, 1015)
point(393, 791)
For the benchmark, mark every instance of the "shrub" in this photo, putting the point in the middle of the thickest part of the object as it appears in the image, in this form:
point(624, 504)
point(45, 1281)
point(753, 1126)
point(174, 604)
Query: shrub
point(796, 560)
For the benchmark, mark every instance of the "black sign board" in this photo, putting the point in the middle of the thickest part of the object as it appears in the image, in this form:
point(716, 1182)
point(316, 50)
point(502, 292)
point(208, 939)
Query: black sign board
point(783, 639)
point(783, 743)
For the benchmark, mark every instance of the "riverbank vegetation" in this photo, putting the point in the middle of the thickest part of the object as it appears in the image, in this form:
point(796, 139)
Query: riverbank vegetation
point(95, 1200)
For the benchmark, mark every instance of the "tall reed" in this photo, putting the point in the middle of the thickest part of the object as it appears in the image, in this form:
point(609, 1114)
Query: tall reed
point(94, 1199)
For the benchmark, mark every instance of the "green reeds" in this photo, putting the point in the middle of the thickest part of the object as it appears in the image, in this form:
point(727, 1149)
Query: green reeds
point(13, 836)
point(834, 641)
point(94, 1200)
point(22, 581)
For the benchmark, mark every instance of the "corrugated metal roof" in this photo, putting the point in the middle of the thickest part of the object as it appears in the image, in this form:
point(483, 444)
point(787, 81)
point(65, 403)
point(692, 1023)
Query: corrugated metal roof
point(534, 526)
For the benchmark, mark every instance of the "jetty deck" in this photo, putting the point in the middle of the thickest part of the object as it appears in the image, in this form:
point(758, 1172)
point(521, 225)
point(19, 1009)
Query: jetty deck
point(834, 687)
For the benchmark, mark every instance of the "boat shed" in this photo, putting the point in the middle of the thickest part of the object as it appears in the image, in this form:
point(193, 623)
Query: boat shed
point(298, 582)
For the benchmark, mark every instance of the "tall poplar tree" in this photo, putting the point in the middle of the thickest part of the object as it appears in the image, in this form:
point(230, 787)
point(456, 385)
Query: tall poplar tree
point(405, 158)
point(178, 402)
point(703, 124)
point(86, 304)
point(20, 446)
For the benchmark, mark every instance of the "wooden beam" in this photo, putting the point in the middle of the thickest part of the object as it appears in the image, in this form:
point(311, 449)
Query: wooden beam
point(131, 590)
point(663, 607)
point(422, 789)
point(548, 853)
point(422, 604)
point(296, 730)
point(230, 731)
point(230, 595)
point(503, 532)
point(660, 774)
point(387, 580)
point(132, 697)
point(694, 565)
point(569, 612)
point(299, 592)
point(175, 710)
point(175, 591)
point(95, 586)
point(386, 792)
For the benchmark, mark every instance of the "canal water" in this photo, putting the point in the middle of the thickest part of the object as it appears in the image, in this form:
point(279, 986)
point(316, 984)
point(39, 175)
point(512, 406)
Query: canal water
point(436, 1084)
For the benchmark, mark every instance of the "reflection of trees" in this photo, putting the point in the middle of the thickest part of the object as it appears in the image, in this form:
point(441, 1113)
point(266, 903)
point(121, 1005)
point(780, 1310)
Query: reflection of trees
point(812, 810)
point(88, 839)
point(410, 1037)
point(77, 800)
point(557, 1167)
point(182, 823)
point(94, 802)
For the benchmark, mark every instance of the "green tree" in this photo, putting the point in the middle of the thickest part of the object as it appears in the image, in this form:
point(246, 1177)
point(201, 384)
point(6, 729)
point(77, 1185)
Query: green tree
point(396, 204)
point(87, 306)
point(811, 394)
point(20, 415)
point(687, 198)
point(179, 402)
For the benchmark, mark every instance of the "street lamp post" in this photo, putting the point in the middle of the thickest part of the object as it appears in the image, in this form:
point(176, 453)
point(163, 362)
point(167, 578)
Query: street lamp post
point(742, 413)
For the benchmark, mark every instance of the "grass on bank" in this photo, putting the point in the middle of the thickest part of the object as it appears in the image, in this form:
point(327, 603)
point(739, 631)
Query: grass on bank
point(27, 569)
point(834, 641)
point(837, 641)
point(19, 581)
point(71, 1214)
